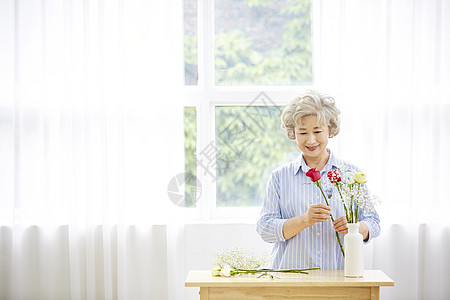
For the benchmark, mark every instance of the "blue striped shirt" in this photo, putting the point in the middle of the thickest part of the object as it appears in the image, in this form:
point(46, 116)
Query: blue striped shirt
point(289, 193)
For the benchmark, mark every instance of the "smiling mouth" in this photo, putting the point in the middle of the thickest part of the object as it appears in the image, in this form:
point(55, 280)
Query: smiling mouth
point(312, 148)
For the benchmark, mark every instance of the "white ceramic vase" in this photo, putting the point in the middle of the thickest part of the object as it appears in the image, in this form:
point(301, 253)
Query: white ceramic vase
point(353, 244)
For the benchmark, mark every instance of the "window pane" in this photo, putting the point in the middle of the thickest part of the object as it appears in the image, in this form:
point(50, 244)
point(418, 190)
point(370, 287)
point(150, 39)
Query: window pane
point(250, 144)
point(190, 43)
point(263, 42)
point(190, 147)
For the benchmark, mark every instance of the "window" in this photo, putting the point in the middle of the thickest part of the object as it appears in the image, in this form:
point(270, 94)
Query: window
point(250, 144)
point(261, 42)
point(190, 42)
point(243, 61)
point(190, 148)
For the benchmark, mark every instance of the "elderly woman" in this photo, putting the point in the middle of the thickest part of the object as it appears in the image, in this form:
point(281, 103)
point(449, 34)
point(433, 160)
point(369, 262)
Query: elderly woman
point(294, 214)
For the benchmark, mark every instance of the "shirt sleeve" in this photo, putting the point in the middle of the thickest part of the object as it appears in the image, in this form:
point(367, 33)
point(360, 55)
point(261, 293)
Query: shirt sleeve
point(372, 220)
point(270, 223)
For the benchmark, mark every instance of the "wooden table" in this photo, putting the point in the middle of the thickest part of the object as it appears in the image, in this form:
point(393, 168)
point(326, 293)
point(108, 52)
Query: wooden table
point(316, 285)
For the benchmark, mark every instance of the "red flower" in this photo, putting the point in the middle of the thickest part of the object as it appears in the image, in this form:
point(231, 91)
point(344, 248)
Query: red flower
point(334, 176)
point(313, 174)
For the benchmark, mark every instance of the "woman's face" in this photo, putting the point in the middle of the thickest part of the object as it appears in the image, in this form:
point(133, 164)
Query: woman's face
point(312, 138)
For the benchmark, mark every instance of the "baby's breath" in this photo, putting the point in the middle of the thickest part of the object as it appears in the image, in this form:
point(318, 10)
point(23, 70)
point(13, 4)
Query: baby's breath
point(237, 261)
point(238, 258)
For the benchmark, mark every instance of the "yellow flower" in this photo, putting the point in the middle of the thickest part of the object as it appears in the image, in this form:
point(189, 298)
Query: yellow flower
point(216, 271)
point(360, 177)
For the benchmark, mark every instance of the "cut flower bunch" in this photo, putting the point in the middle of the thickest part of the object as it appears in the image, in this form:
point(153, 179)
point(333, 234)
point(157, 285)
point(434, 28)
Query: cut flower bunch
point(353, 193)
point(238, 262)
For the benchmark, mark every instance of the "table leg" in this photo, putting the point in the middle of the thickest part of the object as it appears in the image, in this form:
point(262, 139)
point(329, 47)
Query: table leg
point(204, 293)
point(375, 293)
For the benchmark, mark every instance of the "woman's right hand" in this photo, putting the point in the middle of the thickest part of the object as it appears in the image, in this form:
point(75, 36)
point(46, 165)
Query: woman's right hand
point(317, 213)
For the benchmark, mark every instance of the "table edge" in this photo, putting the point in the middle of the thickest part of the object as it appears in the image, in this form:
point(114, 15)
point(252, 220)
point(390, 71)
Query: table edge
point(279, 283)
point(286, 284)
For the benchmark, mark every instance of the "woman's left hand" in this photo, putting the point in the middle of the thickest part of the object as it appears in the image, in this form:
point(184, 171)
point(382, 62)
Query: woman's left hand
point(340, 225)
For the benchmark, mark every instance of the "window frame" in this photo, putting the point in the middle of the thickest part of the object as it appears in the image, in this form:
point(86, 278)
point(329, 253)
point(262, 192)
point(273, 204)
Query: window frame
point(205, 96)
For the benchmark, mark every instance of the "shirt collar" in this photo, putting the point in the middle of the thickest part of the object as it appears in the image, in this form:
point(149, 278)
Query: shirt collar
point(301, 164)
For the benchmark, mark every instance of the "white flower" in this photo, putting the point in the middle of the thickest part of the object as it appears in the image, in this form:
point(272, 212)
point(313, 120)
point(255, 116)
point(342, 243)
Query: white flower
point(225, 272)
point(349, 177)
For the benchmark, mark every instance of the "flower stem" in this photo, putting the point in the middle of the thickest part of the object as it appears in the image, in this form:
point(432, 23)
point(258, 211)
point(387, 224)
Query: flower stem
point(332, 219)
point(343, 202)
point(356, 203)
point(248, 271)
point(352, 219)
point(324, 197)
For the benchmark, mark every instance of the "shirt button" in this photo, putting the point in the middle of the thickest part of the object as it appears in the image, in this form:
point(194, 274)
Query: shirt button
point(318, 234)
point(318, 251)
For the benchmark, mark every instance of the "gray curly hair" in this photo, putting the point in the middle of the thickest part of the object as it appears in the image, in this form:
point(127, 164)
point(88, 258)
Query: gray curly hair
point(310, 103)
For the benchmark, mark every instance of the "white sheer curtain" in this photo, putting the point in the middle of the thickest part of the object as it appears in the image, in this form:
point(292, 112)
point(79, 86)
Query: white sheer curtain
point(90, 129)
point(388, 65)
point(90, 133)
